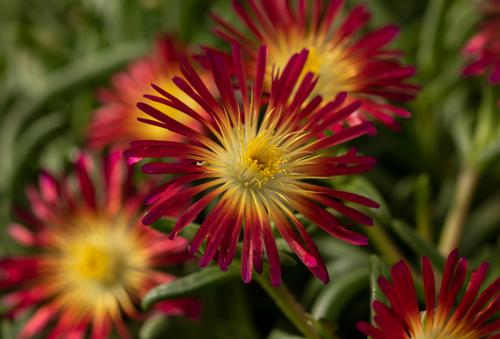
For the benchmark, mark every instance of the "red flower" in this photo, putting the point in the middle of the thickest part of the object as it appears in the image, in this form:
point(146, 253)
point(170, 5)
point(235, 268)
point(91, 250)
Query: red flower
point(469, 318)
point(261, 162)
point(115, 123)
point(91, 259)
point(484, 47)
point(360, 66)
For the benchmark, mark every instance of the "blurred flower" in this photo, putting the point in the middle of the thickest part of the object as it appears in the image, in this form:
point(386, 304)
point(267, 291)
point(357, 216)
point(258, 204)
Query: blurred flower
point(470, 318)
point(115, 123)
point(91, 258)
point(258, 165)
point(359, 66)
point(484, 47)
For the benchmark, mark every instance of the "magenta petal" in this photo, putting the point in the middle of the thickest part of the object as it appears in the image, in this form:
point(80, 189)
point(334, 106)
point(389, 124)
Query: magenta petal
point(38, 321)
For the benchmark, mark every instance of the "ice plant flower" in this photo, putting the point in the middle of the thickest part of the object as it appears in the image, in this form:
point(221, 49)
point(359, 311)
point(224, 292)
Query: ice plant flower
point(261, 163)
point(484, 47)
point(344, 60)
point(90, 259)
point(446, 316)
point(115, 123)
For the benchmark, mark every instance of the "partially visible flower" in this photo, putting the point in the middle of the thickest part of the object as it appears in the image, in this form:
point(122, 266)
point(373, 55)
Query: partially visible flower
point(115, 123)
point(262, 162)
point(448, 316)
point(91, 259)
point(344, 60)
point(484, 47)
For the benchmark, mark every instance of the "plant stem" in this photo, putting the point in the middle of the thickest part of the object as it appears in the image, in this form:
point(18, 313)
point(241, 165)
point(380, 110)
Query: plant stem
point(384, 244)
point(452, 230)
point(290, 307)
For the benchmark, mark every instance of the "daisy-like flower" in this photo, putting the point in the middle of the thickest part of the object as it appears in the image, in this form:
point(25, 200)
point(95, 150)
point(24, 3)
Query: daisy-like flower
point(115, 123)
point(261, 163)
point(91, 259)
point(484, 46)
point(361, 66)
point(470, 317)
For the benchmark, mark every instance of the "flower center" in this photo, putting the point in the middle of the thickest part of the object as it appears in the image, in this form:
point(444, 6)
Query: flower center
point(261, 161)
point(98, 263)
point(338, 71)
point(313, 62)
point(440, 330)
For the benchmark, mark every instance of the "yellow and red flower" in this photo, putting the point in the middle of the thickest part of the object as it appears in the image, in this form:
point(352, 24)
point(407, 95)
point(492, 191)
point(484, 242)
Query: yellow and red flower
point(484, 47)
point(472, 317)
point(115, 123)
point(261, 162)
point(91, 259)
point(360, 66)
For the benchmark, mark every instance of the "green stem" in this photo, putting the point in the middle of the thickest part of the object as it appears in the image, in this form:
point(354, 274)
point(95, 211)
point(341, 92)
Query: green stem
point(383, 243)
point(452, 230)
point(290, 307)
point(422, 208)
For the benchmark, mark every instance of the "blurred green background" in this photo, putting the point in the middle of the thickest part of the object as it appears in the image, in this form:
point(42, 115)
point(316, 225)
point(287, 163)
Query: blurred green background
point(55, 54)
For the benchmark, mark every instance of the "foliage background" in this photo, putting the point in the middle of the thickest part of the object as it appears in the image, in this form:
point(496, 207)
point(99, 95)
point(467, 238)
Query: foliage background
point(56, 53)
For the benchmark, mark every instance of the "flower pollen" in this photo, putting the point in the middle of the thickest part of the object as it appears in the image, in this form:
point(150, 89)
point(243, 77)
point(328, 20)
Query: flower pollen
point(261, 161)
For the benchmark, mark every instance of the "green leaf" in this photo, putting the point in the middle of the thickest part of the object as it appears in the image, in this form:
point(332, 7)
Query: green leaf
point(377, 270)
point(337, 268)
point(153, 327)
point(362, 186)
point(185, 286)
point(417, 244)
point(61, 81)
point(279, 334)
point(330, 247)
point(338, 293)
point(430, 36)
point(166, 225)
point(36, 133)
point(483, 224)
point(6, 329)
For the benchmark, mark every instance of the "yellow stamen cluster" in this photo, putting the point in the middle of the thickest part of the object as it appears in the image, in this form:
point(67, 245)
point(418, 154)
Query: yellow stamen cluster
point(95, 264)
point(261, 161)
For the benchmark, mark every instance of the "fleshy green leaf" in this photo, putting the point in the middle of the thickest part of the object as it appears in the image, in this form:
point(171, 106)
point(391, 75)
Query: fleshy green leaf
point(337, 294)
point(166, 225)
point(190, 284)
point(416, 243)
point(377, 270)
point(153, 327)
point(362, 186)
point(279, 334)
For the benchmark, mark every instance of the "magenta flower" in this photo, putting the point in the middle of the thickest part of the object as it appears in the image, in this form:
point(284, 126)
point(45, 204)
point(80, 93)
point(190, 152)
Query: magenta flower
point(447, 316)
point(115, 123)
point(260, 163)
point(91, 259)
point(484, 47)
point(344, 60)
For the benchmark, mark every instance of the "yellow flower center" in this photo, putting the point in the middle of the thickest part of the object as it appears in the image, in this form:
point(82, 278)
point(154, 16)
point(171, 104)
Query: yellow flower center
point(336, 70)
point(260, 161)
point(263, 157)
point(442, 330)
point(439, 335)
point(98, 263)
point(314, 62)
